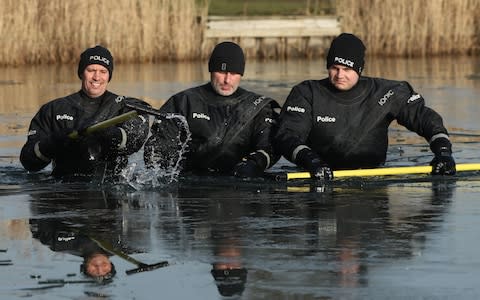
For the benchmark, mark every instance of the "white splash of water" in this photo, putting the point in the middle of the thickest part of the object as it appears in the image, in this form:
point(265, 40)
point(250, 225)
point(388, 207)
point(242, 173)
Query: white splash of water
point(166, 170)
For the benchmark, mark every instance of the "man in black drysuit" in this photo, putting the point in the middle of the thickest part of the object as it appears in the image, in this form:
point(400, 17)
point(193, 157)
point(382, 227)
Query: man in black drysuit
point(341, 122)
point(102, 153)
point(231, 128)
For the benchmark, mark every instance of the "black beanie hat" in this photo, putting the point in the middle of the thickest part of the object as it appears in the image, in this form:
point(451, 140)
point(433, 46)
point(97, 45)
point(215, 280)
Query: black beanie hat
point(227, 57)
point(348, 50)
point(97, 55)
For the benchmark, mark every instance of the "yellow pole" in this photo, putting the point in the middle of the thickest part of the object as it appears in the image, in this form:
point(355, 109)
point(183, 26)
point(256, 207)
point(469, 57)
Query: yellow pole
point(384, 171)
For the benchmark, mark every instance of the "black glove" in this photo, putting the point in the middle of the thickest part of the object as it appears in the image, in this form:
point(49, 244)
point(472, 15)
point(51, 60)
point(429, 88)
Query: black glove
point(318, 169)
point(109, 138)
point(443, 162)
point(251, 166)
point(55, 143)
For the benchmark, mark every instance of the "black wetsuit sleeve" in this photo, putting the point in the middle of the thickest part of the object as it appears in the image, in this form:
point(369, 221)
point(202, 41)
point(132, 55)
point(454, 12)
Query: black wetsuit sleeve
point(136, 129)
point(164, 126)
point(417, 117)
point(295, 122)
point(265, 127)
point(161, 147)
point(30, 155)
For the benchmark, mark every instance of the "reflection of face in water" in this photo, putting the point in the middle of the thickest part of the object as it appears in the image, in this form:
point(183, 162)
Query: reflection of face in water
point(98, 265)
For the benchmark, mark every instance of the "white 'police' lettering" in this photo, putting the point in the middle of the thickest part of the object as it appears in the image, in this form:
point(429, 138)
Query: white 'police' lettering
point(200, 116)
point(100, 58)
point(385, 97)
point(296, 109)
point(344, 61)
point(326, 119)
point(64, 117)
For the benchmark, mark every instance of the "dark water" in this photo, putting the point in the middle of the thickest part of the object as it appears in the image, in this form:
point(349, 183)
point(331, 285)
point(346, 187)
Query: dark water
point(379, 238)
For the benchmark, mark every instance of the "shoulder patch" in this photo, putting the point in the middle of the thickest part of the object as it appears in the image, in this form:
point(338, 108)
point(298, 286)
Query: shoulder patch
point(413, 98)
point(119, 99)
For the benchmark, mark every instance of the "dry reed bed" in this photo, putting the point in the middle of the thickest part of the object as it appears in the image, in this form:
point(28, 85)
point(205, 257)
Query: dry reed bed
point(39, 31)
point(413, 27)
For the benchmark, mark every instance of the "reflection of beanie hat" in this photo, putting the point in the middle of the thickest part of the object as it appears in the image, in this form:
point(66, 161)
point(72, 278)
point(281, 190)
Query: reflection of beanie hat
point(347, 50)
point(227, 57)
point(230, 282)
point(97, 55)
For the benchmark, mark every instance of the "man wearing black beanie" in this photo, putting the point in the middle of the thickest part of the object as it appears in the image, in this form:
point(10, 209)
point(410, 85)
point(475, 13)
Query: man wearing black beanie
point(103, 153)
point(231, 128)
point(341, 122)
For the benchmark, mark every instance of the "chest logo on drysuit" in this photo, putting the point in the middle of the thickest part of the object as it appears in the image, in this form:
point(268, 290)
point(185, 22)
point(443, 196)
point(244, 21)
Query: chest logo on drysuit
point(385, 97)
point(326, 119)
point(296, 109)
point(64, 117)
point(200, 116)
point(259, 100)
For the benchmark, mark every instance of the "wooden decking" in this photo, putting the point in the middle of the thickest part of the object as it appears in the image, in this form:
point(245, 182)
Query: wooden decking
point(220, 27)
point(274, 37)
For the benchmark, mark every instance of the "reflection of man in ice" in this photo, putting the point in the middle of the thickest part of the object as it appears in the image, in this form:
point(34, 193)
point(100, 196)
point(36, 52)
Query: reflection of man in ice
point(96, 261)
point(218, 218)
point(98, 266)
point(229, 274)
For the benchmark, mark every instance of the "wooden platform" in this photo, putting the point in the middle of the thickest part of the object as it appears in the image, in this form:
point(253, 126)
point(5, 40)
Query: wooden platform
point(273, 37)
point(221, 27)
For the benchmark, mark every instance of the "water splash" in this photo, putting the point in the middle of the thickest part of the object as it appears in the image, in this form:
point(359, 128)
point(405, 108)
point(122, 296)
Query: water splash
point(166, 166)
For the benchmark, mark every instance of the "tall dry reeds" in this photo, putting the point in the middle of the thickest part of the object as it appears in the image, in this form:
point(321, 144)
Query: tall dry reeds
point(39, 31)
point(413, 27)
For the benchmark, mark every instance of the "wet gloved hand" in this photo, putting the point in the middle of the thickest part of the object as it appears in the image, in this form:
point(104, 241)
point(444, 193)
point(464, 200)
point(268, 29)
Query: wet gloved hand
point(108, 138)
point(443, 162)
point(318, 169)
point(251, 166)
point(55, 143)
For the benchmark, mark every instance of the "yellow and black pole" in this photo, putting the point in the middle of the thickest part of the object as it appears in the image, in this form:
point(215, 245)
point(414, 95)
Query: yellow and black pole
point(377, 172)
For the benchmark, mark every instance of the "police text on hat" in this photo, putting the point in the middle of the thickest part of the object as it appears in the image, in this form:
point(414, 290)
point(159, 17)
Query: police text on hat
point(347, 50)
point(96, 55)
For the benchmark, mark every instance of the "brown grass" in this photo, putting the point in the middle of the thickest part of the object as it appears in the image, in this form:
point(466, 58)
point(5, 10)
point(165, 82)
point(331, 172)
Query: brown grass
point(39, 31)
point(413, 27)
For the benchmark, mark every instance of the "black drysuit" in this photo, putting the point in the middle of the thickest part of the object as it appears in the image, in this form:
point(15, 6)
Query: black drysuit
point(224, 129)
point(85, 156)
point(349, 129)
